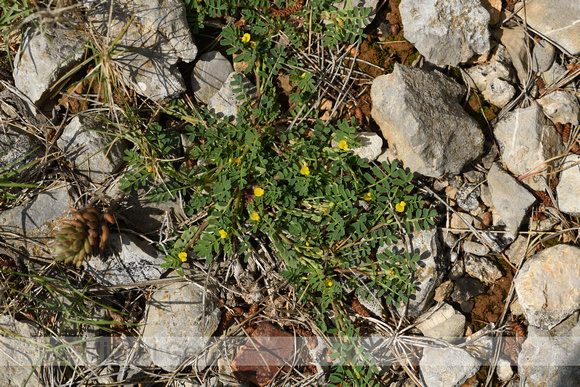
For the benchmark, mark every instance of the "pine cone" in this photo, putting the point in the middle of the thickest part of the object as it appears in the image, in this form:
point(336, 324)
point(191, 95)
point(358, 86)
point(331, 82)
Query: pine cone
point(81, 237)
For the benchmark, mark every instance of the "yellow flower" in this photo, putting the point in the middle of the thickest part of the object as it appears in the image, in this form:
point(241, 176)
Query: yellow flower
point(246, 38)
point(223, 234)
point(303, 75)
point(258, 191)
point(182, 256)
point(328, 283)
point(305, 170)
point(230, 160)
point(368, 196)
point(342, 144)
point(400, 207)
point(149, 169)
point(255, 216)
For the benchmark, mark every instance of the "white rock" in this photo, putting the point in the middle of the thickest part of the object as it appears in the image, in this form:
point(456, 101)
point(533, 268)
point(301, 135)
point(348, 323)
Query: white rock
point(543, 56)
point(550, 358)
point(371, 146)
point(548, 285)
point(179, 323)
point(526, 142)
point(493, 79)
point(554, 73)
point(387, 156)
point(514, 41)
point(90, 149)
point(224, 103)
point(499, 92)
point(429, 132)
point(504, 369)
point(558, 20)
point(149, 47)
point(511, 201)
point(430, 271)
point(125, 260)
point(482, 268)
point(445, 323)
point(568, 189)
point(43, 58)
point(561, 106)
point(209, 75)
point(449, 367)
point(446, 32)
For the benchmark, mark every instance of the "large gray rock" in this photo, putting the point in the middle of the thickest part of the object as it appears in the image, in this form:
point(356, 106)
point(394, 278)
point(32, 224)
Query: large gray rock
point(125, 260)
point(568, 188)
point(179, 323)
point(548, 285)
point(447, 367)
point(20, 356)
point(44, 57)
point(446, 32)
point(526, 140)
point(494, 78)
point(429, 132)
point(148, 50)
point(511, 201)
point(430, 271)
point(558, 20)
point(550, 358)
point(93, 152)
point(561, 106)
point(209, 74)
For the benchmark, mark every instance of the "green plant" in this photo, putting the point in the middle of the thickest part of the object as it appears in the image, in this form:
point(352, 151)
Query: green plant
point(7, 176)
point(273, 173)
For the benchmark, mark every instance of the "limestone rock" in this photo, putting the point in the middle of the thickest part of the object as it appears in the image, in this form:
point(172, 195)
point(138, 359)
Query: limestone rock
point(430, 271)
point(224, 103)
point(20, 354)
point(17, 148)
point(179, 323)
point(517, 250)
point(514, 41)
point(445, 323)
point(150, 47)
point(504, 369)
point(558, 20)
point(446, 32)
point(429, 132)
point(448, 367)
point(543, 56)
point(210, 72)
point(561, 106)
point(475, 248)
point(44, 57)
point(493, 79)
point(526, 141)
point(568, 188)
point(371, 146)
point(482, 268)
point(90, 150)
point(550, 358)
point(125, 260)
point(548, 285)
point(512, 201)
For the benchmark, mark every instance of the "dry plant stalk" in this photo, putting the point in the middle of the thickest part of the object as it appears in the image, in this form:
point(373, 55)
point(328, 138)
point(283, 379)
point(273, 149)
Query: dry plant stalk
point(81, 237)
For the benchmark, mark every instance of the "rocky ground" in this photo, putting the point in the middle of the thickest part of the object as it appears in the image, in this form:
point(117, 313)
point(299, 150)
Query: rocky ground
point(479, 99)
